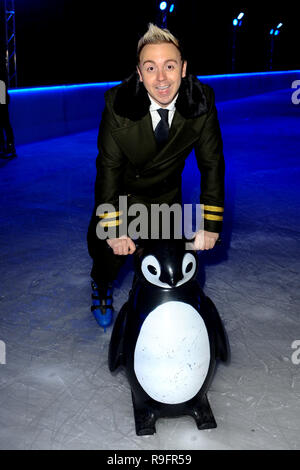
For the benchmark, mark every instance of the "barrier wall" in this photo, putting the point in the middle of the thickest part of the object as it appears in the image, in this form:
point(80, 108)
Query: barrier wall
point(43, 113)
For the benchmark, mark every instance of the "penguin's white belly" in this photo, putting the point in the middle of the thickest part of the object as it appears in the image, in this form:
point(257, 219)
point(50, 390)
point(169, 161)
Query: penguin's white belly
point(172, 353)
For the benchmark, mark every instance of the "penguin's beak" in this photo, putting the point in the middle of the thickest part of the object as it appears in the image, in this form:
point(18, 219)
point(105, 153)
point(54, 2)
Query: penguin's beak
point(174, 280)
point(170, 277)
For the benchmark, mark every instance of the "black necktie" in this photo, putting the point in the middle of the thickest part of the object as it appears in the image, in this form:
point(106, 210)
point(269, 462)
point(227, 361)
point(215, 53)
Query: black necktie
point(162, 128)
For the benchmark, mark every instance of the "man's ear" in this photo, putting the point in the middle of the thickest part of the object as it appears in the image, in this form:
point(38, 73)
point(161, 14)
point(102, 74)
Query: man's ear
point(184, 65)
point(139, 72)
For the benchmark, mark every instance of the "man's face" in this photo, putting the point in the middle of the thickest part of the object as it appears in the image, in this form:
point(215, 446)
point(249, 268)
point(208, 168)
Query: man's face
point(161, 70)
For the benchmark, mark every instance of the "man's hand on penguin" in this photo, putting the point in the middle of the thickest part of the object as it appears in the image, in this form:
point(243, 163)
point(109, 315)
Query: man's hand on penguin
point(205, 240)
point(122, 246)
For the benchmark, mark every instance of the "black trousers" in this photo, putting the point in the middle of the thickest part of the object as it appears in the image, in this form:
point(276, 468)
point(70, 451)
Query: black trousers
point(106, 265)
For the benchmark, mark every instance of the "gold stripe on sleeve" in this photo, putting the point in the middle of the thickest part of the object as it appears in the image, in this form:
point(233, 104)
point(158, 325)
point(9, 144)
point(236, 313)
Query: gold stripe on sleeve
point(213, 208)
point(110, 223)
point(110, 215)
point(213, 217)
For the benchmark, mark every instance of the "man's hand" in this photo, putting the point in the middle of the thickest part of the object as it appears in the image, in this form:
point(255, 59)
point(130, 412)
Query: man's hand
point(122, 246)
point(205, 240)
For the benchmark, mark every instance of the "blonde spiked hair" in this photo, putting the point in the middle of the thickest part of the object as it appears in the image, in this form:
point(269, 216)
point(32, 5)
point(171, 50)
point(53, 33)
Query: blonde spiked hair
point(156, 35)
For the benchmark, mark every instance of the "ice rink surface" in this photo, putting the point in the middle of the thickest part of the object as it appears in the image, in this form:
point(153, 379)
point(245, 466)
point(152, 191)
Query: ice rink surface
point(56, 391)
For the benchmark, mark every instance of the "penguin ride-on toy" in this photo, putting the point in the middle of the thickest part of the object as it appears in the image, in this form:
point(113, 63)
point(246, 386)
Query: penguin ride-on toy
point(168, 336)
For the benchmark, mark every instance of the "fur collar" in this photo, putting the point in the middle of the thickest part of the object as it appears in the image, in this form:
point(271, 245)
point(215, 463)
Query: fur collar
point(132, 101)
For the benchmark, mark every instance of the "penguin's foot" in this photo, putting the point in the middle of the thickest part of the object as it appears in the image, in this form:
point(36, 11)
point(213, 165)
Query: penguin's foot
point(102, 307)
point(203, 415)
point(144, 420)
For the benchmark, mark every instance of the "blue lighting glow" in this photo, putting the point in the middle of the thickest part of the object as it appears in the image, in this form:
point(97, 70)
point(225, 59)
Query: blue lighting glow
point(111, 84)
point(247, 74)
point(163, 5)
point(235, 22)
point(62, 87)
point(172, 8)
point(272, 31)
point(279, 25)
point(240, 16)
point(276, 32)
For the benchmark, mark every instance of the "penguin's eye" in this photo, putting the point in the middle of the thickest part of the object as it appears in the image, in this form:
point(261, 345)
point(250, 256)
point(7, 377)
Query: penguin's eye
point(189, 267)
point(152, 269)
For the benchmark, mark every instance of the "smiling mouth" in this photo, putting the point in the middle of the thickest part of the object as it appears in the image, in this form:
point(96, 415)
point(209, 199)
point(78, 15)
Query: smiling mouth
point(162, 88)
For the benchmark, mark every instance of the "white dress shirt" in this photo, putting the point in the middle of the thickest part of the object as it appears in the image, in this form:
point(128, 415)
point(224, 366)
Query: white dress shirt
point(154, 114)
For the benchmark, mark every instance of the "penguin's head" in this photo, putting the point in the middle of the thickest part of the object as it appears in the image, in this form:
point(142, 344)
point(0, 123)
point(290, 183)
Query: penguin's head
point(165, 263)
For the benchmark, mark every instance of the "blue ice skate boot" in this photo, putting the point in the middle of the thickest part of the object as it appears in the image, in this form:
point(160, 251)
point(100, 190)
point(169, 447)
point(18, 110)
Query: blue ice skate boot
point(102, 307)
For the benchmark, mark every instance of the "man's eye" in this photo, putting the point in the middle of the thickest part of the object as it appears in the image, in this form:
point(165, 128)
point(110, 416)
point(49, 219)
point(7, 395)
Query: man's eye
point(170, 67)
point(150, 69)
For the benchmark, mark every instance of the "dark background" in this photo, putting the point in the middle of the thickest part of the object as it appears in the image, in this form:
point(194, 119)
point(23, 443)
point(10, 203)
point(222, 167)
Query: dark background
point(72, 41)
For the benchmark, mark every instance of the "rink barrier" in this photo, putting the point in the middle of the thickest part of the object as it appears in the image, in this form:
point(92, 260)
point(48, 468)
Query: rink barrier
point(48, 112)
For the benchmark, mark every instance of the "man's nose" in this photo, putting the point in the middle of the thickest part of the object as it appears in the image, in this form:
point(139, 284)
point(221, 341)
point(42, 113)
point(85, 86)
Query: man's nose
point(161, 75)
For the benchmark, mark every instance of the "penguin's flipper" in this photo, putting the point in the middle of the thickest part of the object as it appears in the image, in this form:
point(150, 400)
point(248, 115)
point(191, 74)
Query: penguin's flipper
point(222, 343)
point(115, 353)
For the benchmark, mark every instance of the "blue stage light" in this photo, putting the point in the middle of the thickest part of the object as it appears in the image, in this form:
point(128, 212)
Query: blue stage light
point(276, 32)
point(272, 31)
point(163, 5)
point(235, 22)
point(172, 8)
point(240, 16)
point(279, 25)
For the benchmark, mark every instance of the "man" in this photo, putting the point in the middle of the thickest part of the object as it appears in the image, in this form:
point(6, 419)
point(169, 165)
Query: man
point(150, 124)
point(7, 147)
